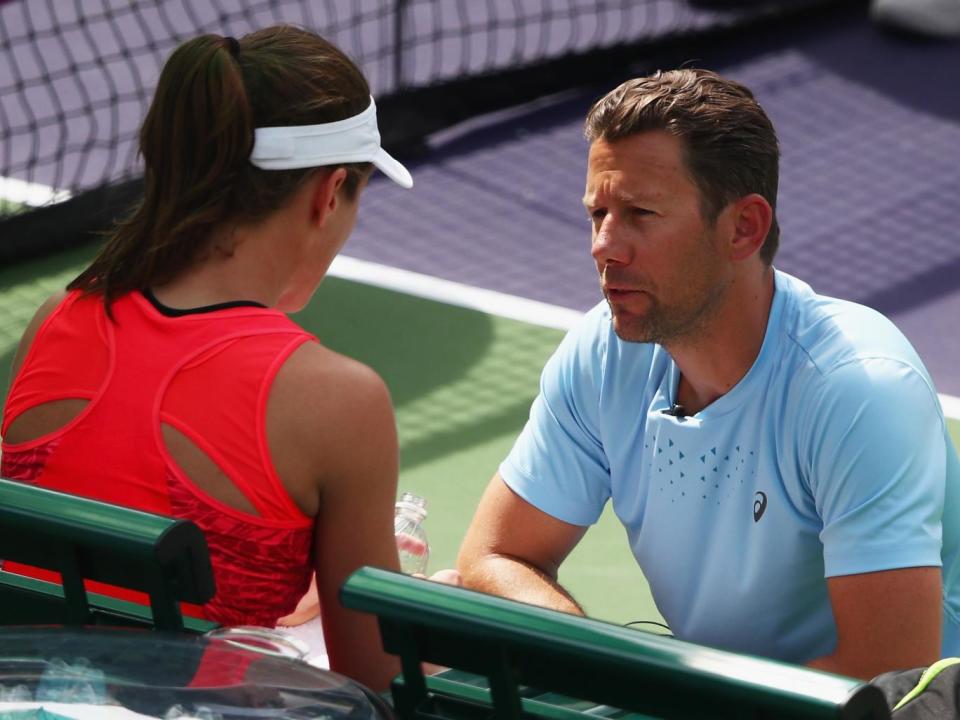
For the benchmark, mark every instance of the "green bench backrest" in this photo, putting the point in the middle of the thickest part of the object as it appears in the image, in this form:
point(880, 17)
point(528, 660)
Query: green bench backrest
point(84, 539)
point(517, 646)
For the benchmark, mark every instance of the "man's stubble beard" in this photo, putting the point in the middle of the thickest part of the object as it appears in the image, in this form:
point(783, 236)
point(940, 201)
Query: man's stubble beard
point(668, 326)
point(684, 320)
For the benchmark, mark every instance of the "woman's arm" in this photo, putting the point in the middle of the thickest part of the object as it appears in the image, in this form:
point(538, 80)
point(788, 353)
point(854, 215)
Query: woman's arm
point(332, 418)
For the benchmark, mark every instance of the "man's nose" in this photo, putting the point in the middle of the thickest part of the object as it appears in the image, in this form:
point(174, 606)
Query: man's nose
point(609, 244)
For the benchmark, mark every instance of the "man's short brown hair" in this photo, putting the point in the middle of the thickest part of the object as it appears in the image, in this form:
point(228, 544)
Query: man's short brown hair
point(730, 146)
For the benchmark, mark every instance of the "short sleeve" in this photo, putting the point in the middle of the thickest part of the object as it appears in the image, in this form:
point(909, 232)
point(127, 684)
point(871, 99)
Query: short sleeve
point(877, 469)
point(558, 463)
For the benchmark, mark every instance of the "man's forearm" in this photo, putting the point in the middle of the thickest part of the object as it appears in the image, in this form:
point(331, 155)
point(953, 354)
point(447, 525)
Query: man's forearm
point(886, 620)
point(512, 578)
point(834, 664)
point(869, 664)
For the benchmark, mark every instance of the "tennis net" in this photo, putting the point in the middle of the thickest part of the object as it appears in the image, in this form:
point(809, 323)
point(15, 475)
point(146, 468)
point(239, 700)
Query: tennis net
point(76, 78)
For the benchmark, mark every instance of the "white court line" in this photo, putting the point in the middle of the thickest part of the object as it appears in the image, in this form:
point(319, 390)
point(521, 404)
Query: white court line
point(951, 406)
point(453, 293)
point(22, 192)
point(406, 281)
point(488, 301)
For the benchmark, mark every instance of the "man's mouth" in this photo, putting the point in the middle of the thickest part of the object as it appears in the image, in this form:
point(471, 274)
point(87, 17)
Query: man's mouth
point(620, 292)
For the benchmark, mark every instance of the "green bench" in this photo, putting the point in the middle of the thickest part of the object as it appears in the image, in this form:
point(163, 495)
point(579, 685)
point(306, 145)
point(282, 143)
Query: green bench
point(510, 660)
point(84, 539)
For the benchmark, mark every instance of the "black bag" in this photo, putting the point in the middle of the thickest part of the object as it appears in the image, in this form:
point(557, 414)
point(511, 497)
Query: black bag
point(923, 693)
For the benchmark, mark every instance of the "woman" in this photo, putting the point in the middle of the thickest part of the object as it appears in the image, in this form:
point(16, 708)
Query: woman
point(168, 377)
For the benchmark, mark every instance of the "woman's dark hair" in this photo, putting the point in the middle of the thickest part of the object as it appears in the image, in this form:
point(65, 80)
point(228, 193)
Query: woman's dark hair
point(196, 140)
point(730, 146)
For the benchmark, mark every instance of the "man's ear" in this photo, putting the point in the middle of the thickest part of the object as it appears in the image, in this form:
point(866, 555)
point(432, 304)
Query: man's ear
point(752, 217)
point(326, 194)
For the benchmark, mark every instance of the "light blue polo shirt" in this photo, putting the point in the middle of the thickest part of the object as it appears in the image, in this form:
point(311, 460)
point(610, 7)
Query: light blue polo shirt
point(830, 457)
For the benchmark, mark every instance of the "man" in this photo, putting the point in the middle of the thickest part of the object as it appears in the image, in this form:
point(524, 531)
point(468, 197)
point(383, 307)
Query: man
point(778, 458)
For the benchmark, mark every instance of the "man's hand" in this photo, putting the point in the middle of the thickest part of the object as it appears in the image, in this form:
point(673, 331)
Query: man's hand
point(889, 620)
point(515, 550)
point(447, 576)
point(307, 609)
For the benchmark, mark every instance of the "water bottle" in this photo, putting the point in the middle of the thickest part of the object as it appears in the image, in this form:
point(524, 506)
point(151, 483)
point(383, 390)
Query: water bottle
point(412, 543)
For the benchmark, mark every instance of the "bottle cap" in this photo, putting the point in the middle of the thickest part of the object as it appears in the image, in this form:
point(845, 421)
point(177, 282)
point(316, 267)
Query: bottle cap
point(413, 503)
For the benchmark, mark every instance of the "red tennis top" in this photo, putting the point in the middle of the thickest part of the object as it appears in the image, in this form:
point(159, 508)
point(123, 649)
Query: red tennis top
point(205, 372)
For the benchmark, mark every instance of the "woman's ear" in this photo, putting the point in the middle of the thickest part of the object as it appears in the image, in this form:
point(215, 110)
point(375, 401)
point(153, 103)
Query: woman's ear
point(326, 194)
point(752, 218)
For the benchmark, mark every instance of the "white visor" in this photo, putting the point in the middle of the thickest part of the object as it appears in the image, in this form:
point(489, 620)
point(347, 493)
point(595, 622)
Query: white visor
point(356, 139)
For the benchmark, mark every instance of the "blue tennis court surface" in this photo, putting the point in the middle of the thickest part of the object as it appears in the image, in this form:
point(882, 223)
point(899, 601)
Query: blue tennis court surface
point(870, 183)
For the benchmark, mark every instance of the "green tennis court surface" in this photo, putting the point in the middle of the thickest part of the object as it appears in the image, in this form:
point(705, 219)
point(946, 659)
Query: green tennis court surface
point(462, 382)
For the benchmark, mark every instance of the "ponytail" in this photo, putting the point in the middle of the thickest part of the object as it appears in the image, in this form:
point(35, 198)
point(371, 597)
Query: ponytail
point(196, 140)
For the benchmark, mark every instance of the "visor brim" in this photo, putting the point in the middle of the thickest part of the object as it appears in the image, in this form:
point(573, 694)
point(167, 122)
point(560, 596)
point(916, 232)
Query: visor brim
point(392, 168)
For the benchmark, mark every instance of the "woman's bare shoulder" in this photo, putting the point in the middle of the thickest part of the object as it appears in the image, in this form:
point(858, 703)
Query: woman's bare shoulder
point(314, 370)
point(26, 340)
point(319, 388)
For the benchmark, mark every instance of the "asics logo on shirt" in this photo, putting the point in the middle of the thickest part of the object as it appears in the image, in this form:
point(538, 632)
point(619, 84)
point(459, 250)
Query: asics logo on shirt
point(759, 505)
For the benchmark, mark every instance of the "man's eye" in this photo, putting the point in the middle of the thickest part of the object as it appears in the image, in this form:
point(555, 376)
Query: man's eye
point(598, 214)
point(642, 211)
